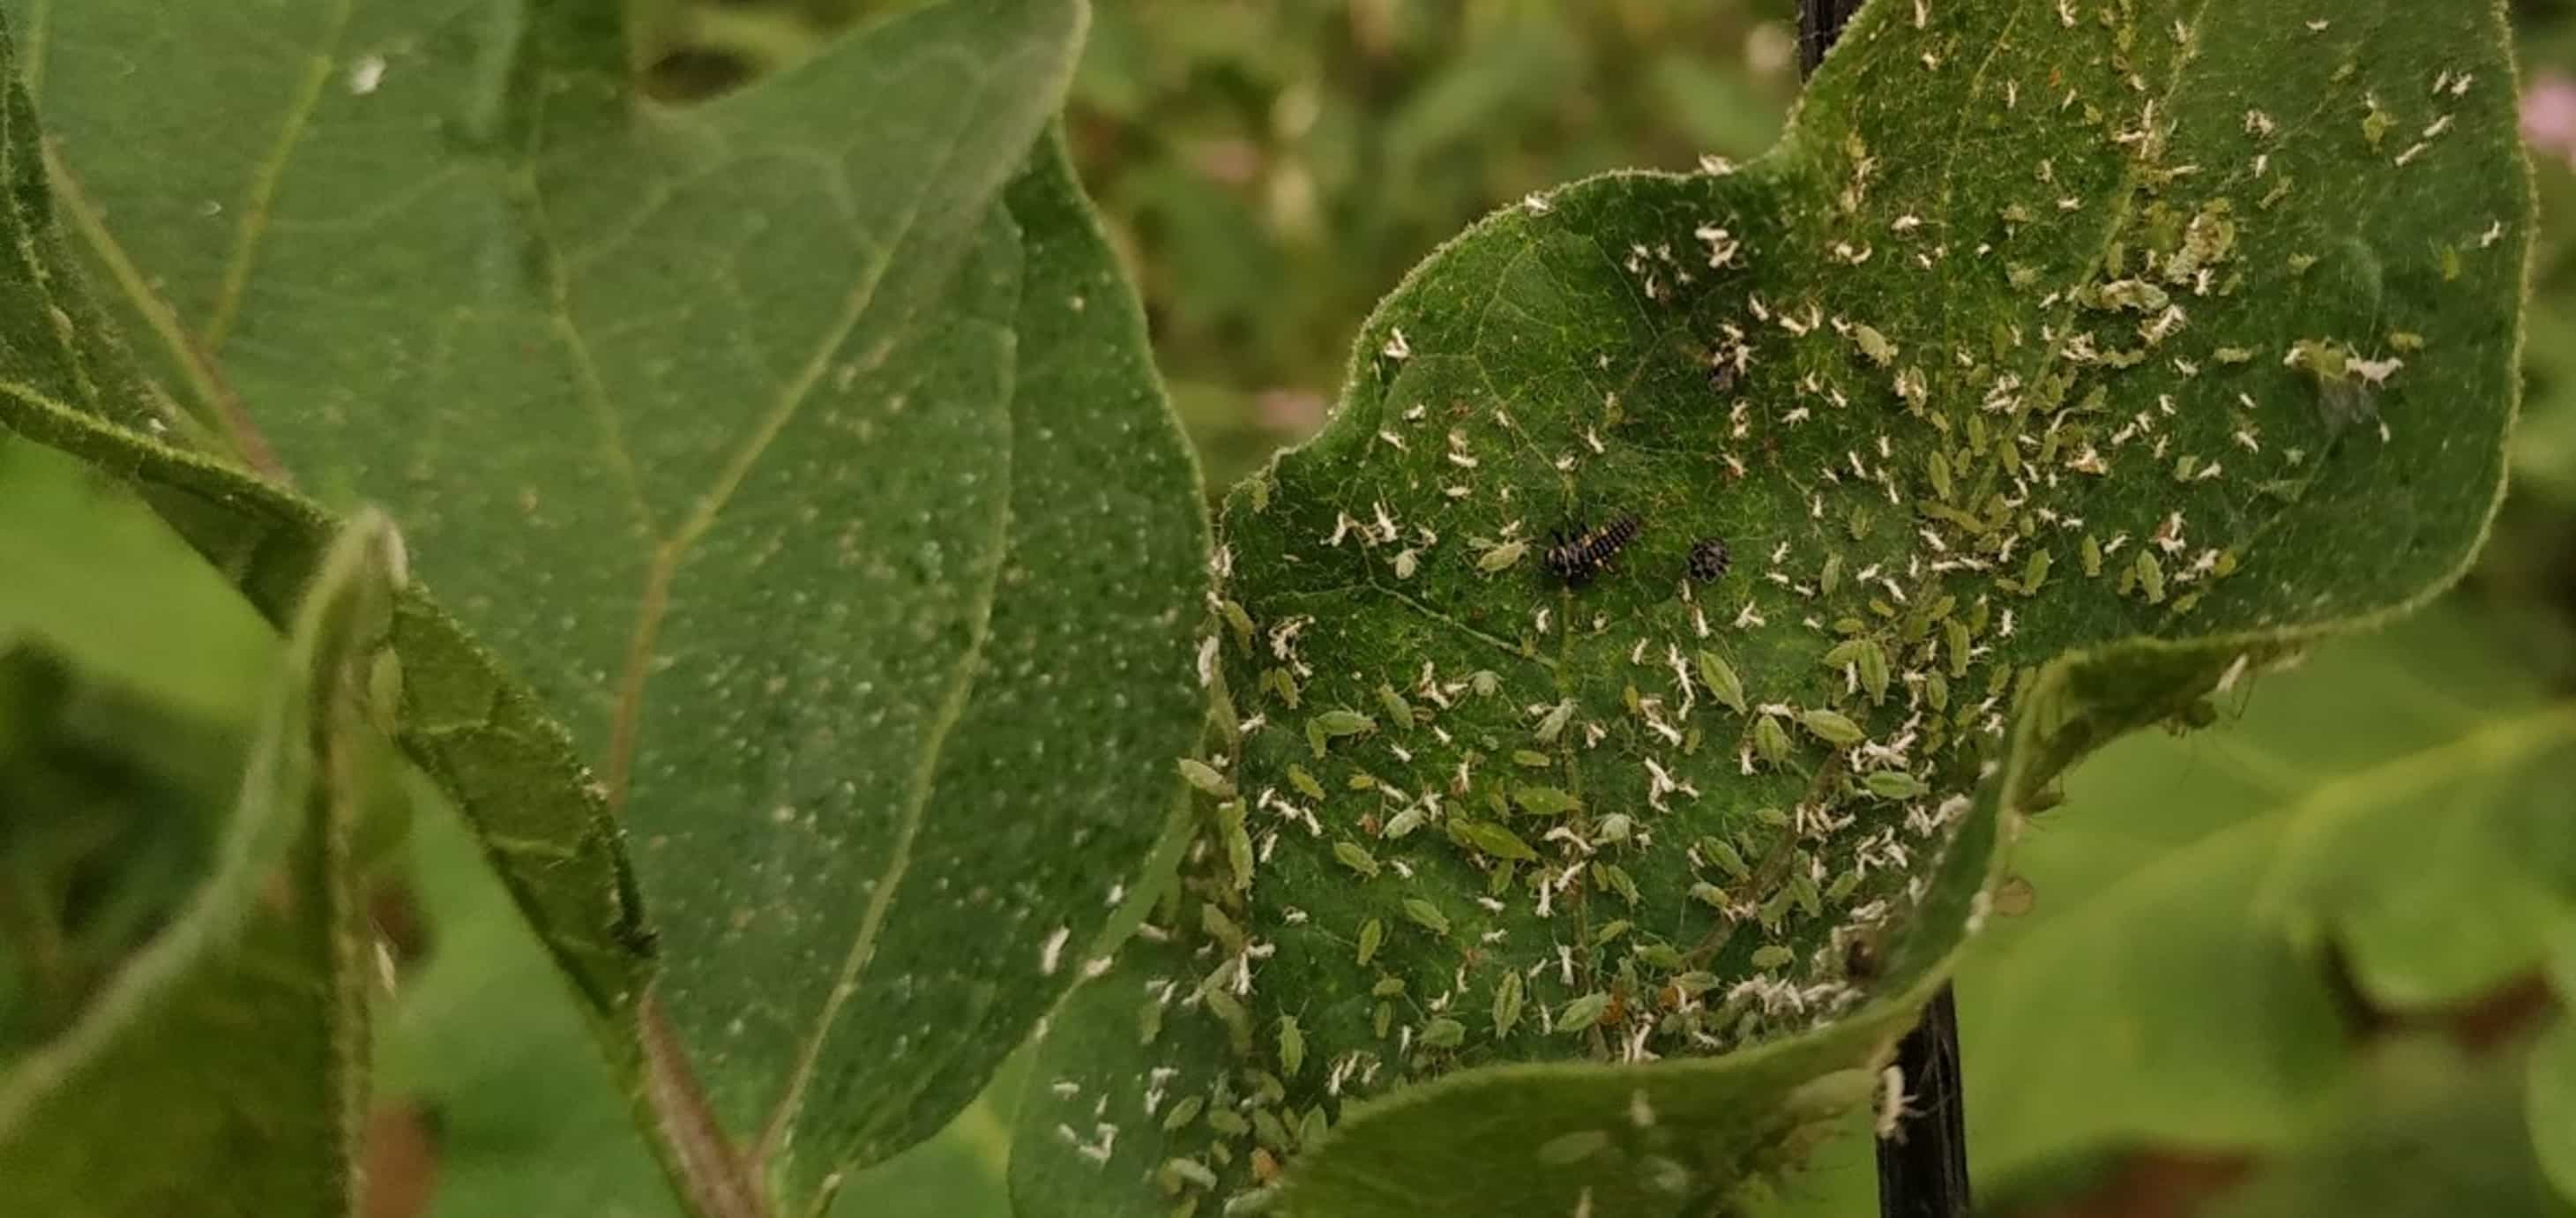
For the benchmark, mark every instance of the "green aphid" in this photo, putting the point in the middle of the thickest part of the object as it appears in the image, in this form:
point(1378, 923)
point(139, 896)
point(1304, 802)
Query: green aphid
point(1238, 1022)
point(1398, 711)
point(1427, 916)
point(1267, 1090)
point(1936, 690)
point(1206, 778)
point(1387, 987)
point(1283, 683)
point(1442, 1033)
point(1872, 666)
point(1221, 710)
point(1842, 887)
point(1693, 984)
point(1402, 824)
point(1501, 557)
point(1717, 851)
point(1228, 1122)
point(1545, 801)
point(1240, 621)
point(1894, 784)
point(1507, 1003)
point(1356, 857)
point(1874, 345)
point(1938, 466)
point(1532, 758)
point(1313, 1127)
point(1609, 932)
point(1843, 654)
point(1613, 830)
point(2092, 555)
point(1238, 843)
point(1659, 956)
point(1833, 727)
point(1360, 780)
point(1553, 724)
point(1709, 894)
point(1372, 933)
point(1802, 888)
point(1582, 1012)
point(1770, 741)
point(1771, 957)
point(1485, 681)
point(2035, 572)
point(1220, 927)
point(1830, 580)
point(1149, 1022)
point(1383, 1019)
point(1183, 1111)
point(1304, 782)
point(2151, 577)
point(1954, 636)
point(1268, 1130)
point(1335, 724)
point(1776, 910)
point(1292, 1046)
point(1615, 878)
point(1487, 838)
point(1720, 678)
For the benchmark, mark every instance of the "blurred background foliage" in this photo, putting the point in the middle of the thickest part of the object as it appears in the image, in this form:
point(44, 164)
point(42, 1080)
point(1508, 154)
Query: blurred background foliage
point(2383, 1033)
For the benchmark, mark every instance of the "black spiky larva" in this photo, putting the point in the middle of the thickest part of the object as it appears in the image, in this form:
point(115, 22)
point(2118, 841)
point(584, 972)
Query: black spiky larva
point(1577, 556)
point(1708, 559)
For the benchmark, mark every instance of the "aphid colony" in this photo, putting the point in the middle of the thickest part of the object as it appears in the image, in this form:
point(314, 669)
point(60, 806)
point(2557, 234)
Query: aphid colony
point(1551, 818)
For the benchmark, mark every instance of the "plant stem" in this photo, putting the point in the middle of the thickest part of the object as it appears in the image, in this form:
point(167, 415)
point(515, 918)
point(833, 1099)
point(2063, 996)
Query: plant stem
point(1819, 23)
point(1923, 1162)
point(1923, 1156)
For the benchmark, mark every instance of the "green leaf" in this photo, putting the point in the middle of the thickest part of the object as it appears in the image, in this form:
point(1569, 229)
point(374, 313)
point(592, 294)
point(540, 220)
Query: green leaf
point(2426, 1129)
point(1997, 194)
point(798, 449)
point(2200, 896)
point(183, 963)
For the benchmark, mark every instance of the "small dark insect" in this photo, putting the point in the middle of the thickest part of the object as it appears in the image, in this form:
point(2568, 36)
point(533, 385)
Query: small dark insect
point(1708, 559)
point(1721, 376)
point(1860, 959)
point(1577, 557)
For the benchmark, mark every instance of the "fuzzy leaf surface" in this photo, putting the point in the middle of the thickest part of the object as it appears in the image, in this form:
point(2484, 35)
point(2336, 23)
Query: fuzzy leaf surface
point(2059, 358)
point(795, 453)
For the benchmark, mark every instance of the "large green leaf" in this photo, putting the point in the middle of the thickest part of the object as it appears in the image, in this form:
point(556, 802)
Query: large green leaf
point(489, 1054)
point(2157, 335)
point(804, 461)
point(2198, 897)
point(182, 1017)
point(2424, 1130)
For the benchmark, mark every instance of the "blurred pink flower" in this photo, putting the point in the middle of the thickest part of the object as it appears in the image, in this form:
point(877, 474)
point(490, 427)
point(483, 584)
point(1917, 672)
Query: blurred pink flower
point(2549, 114)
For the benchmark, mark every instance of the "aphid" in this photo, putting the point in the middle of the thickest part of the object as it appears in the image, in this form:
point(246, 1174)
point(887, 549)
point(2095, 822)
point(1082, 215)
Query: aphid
point(1577, 557)
point(1708, 559)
